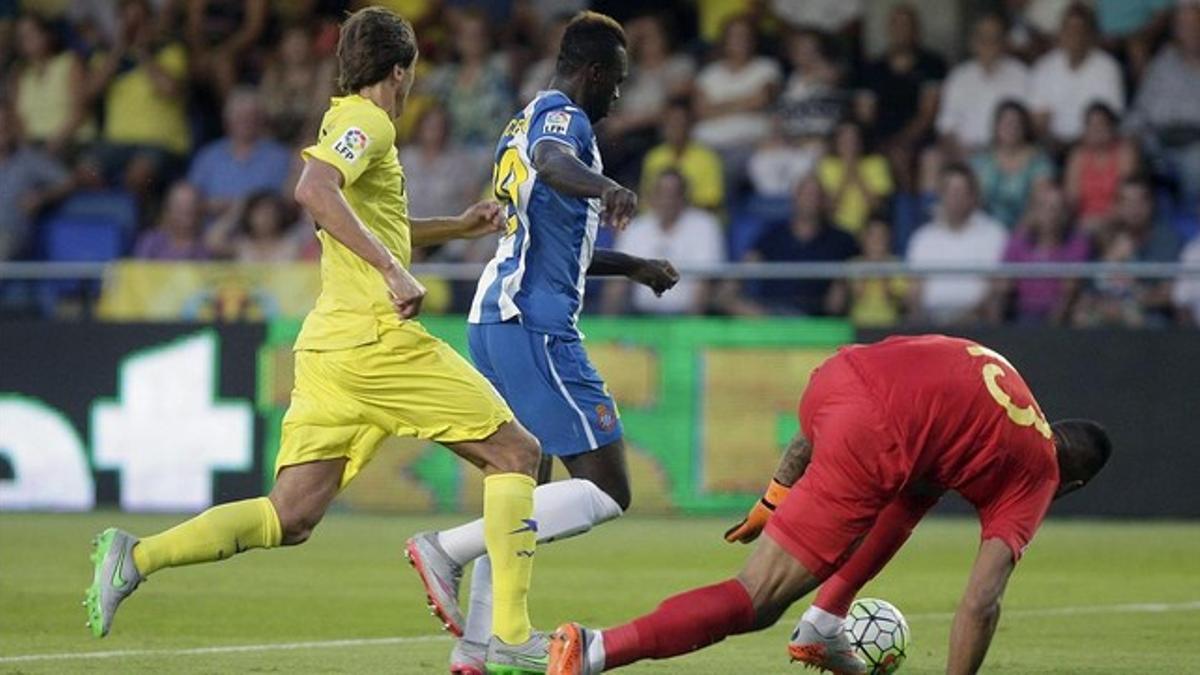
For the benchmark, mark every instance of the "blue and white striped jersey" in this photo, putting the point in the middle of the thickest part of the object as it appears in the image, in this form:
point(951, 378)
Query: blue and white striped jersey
point(538, 273)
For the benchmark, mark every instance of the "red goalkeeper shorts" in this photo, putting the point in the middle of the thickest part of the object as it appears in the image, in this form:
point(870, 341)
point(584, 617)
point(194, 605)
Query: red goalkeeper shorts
point(857, 468)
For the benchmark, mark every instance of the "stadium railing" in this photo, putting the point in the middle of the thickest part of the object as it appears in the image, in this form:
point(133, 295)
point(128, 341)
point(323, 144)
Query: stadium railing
point(35, 271)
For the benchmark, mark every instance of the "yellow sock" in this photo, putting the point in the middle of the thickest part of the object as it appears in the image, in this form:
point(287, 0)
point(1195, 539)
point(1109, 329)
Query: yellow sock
point(511, 535)
point(216, 534)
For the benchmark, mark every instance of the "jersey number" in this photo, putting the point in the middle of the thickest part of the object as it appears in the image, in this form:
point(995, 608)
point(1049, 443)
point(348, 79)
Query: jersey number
point(510, 172)
point(1029, 416)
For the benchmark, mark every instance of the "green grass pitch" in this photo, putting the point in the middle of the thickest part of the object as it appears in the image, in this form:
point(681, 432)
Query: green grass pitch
point(1083, 600)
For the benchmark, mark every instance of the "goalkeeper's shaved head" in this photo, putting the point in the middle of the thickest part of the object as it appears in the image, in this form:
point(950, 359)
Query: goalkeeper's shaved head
point(1083, 449)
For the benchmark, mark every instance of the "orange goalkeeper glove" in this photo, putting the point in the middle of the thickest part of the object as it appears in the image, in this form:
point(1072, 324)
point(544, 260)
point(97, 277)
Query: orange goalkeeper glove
point(754, 522)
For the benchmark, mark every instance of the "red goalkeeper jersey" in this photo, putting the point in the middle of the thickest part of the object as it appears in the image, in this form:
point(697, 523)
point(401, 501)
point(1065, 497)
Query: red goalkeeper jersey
point(966, 420)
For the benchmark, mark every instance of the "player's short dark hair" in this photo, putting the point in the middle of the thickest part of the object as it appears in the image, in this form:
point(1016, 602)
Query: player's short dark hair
point(590, 37)
point(1083, 448)
point(372, 42)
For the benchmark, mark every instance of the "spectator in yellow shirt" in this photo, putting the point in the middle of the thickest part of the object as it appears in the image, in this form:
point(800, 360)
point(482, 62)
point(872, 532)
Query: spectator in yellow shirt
point(876, 302)
point(857, 183)
point(699, 164)
point(49, 88)
point(141, 82)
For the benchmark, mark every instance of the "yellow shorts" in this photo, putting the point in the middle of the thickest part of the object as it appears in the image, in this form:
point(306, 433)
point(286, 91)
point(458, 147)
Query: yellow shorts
point(408, 383)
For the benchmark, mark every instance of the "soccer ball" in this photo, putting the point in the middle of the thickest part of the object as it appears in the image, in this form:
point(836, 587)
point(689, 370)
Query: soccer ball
point(879, 634)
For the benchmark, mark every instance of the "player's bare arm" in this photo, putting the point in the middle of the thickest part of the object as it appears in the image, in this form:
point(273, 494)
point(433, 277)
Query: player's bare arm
point(559, 168)
point(659, 276)
point(795, 460)
point(791, 467)
point(320, 191)
point(979, 611)
point(479, 220)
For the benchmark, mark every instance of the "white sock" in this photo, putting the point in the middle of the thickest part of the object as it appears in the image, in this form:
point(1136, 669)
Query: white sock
point(479, 611)
point(595, 653)
point(562, 509)
point(827, 624)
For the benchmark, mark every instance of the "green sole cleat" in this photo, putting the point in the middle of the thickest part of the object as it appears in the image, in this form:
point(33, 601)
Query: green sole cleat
point(528, 658)
point(114, 577)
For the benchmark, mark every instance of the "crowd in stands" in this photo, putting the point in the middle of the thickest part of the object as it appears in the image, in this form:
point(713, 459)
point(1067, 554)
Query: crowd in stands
point(755, 130)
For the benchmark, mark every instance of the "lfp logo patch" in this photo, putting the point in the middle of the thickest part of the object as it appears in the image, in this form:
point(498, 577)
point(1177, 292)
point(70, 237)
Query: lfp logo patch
point(557, 122)
point(352, 144)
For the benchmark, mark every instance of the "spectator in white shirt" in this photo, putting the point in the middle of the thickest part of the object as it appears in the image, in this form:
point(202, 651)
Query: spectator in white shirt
point(733, 95)
point(975, 88)
point(961, 235)
point(1069, 79)
point(673, 230)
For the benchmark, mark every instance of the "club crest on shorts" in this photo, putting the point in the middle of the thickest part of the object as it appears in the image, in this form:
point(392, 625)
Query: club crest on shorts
point(557, 122)
point(605, 417)
point(352, 144)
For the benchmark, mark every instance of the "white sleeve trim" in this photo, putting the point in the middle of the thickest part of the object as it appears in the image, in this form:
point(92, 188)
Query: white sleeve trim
point(554, 139)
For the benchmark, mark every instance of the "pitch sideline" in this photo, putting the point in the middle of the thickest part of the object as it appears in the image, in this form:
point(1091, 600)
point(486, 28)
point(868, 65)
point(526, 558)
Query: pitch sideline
point(1130, 608)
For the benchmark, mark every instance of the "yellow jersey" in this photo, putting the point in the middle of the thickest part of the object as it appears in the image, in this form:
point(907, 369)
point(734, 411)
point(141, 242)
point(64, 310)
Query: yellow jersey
point(854, 209)
point(700, 166)
point(44, 100)
point(358, 139)
point(877, 303)
point(135, 114)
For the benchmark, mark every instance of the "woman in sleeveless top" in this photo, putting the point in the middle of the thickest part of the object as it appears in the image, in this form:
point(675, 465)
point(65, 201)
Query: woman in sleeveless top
point(49, 96)
point(1013, 166)
point(1098, 164)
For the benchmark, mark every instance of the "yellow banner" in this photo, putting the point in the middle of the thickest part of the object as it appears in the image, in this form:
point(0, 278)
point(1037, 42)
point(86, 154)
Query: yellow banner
point(173, 291)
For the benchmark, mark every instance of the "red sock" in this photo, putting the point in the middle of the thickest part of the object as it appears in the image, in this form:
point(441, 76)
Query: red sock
point(891, 529)
point(681, 624)
point(836, 595)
